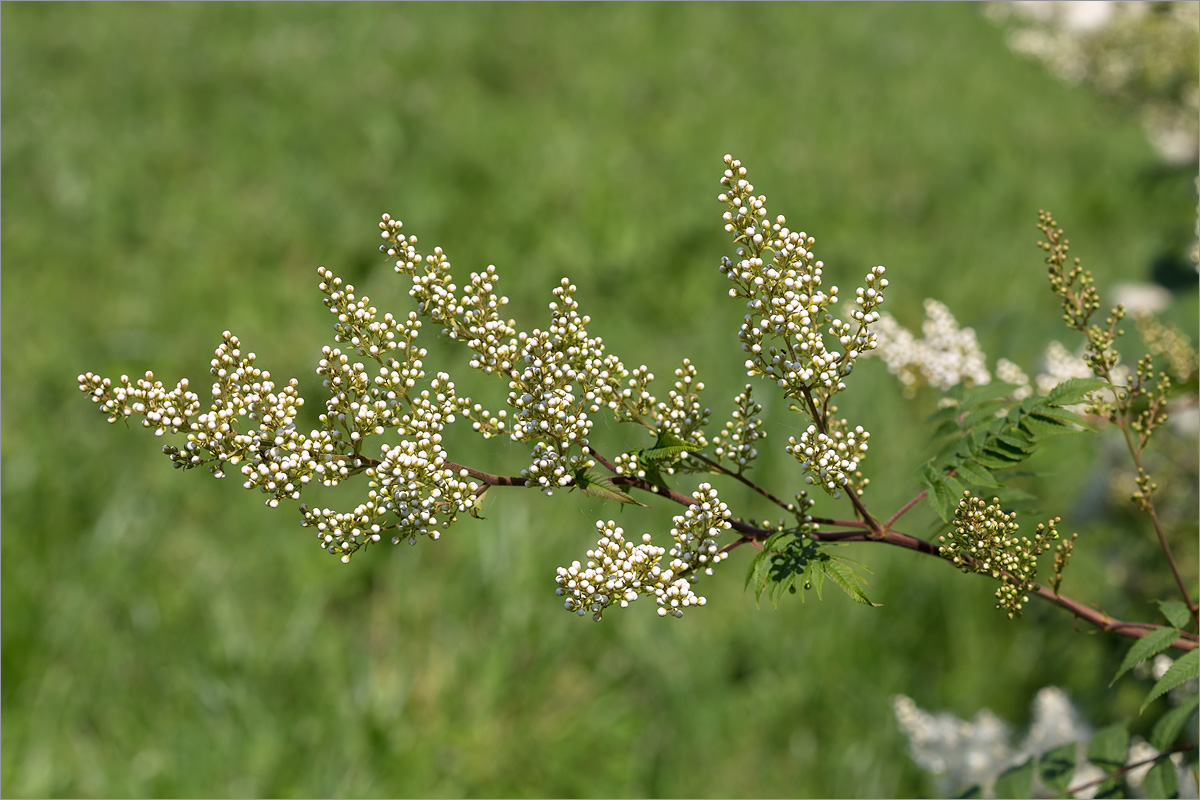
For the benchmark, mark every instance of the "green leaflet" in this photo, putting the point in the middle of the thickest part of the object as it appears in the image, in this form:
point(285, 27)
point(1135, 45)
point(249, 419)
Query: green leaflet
point(1074, 391)
point(848, 580)
point(1171, 724)
point(1149, 645)
point(667, 448)
point(1108, 746)
point(1176, 612)
point(789, 562)
point(1015, 781)
point(1056, 767)
point(1161, 780)
point(1184, 669)
point(977, 474)
point(596, 486)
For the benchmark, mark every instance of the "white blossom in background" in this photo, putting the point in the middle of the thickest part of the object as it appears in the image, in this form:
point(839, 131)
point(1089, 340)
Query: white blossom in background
point(964, 754)
point(946, 356)
point(1141, 53)
point(949, 355)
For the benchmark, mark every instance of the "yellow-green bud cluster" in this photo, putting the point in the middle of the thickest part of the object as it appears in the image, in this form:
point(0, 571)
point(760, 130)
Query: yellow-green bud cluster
point(984, 540)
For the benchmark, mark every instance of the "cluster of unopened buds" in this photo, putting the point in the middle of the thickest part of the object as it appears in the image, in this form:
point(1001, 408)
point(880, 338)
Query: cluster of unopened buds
point(984, 540)
point(736, 440)
point(781, 280)
point(830, 459)
point(558, 378)
point(618, 571)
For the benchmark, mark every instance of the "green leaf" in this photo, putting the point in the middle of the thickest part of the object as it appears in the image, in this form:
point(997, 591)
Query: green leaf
point(1014, 442)
point(1150, 644)
point(1184, 669)
point(976, 475)
point(1170, 724)
point(841, 572)
point(1015, 781)
point(1062, 415)
point(994, 393)
point(944, 499)
point(997, 457)
point(1040, 426)
point(1176, 612)
point(1057, 767)
point(971, 792)
point(756, 575)
point(1161, 780)
point(1074, 391)
point(1112, 788)
point(594, 486)
point(1108, 746)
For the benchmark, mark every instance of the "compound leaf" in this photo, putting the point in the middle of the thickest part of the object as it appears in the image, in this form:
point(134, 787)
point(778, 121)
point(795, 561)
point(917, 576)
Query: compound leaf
point(1149, 645)
point(1184, 669)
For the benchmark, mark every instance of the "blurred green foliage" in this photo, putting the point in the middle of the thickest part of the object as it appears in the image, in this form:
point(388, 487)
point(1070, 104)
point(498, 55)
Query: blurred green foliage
point(174, 170)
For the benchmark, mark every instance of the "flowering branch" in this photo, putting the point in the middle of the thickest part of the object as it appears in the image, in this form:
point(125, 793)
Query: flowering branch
point(560, 377)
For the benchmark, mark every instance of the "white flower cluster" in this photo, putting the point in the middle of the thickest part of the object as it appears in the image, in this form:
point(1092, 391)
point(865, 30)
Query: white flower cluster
point(165, 412)
point(946, 356)
point(252, 425)
point(736, 440)
point(682, 414)
point(1141, 52)
point(242, 391)
point(412, 489)
point(781, 279)
point(557, 376)
point(949, 355)
point(619, 572)
point(965, 754)
point(830, 459)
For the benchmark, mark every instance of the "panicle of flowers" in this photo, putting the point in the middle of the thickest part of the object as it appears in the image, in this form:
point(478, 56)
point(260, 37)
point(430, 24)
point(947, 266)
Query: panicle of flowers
point(412, 491)
point(1171, 343)
point(619, 571)
point(785, 298)
point(556, 377)
point(966, 753)
point(984, 540)
point(681, 414)
point(788, 310)
point(274, 457)
point(1076, 289)
point(830, 457)
point(946, 356)
point(164, 411)
point(735, 441)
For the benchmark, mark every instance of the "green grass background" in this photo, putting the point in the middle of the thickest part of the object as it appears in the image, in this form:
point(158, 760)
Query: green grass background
point(172, 171)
